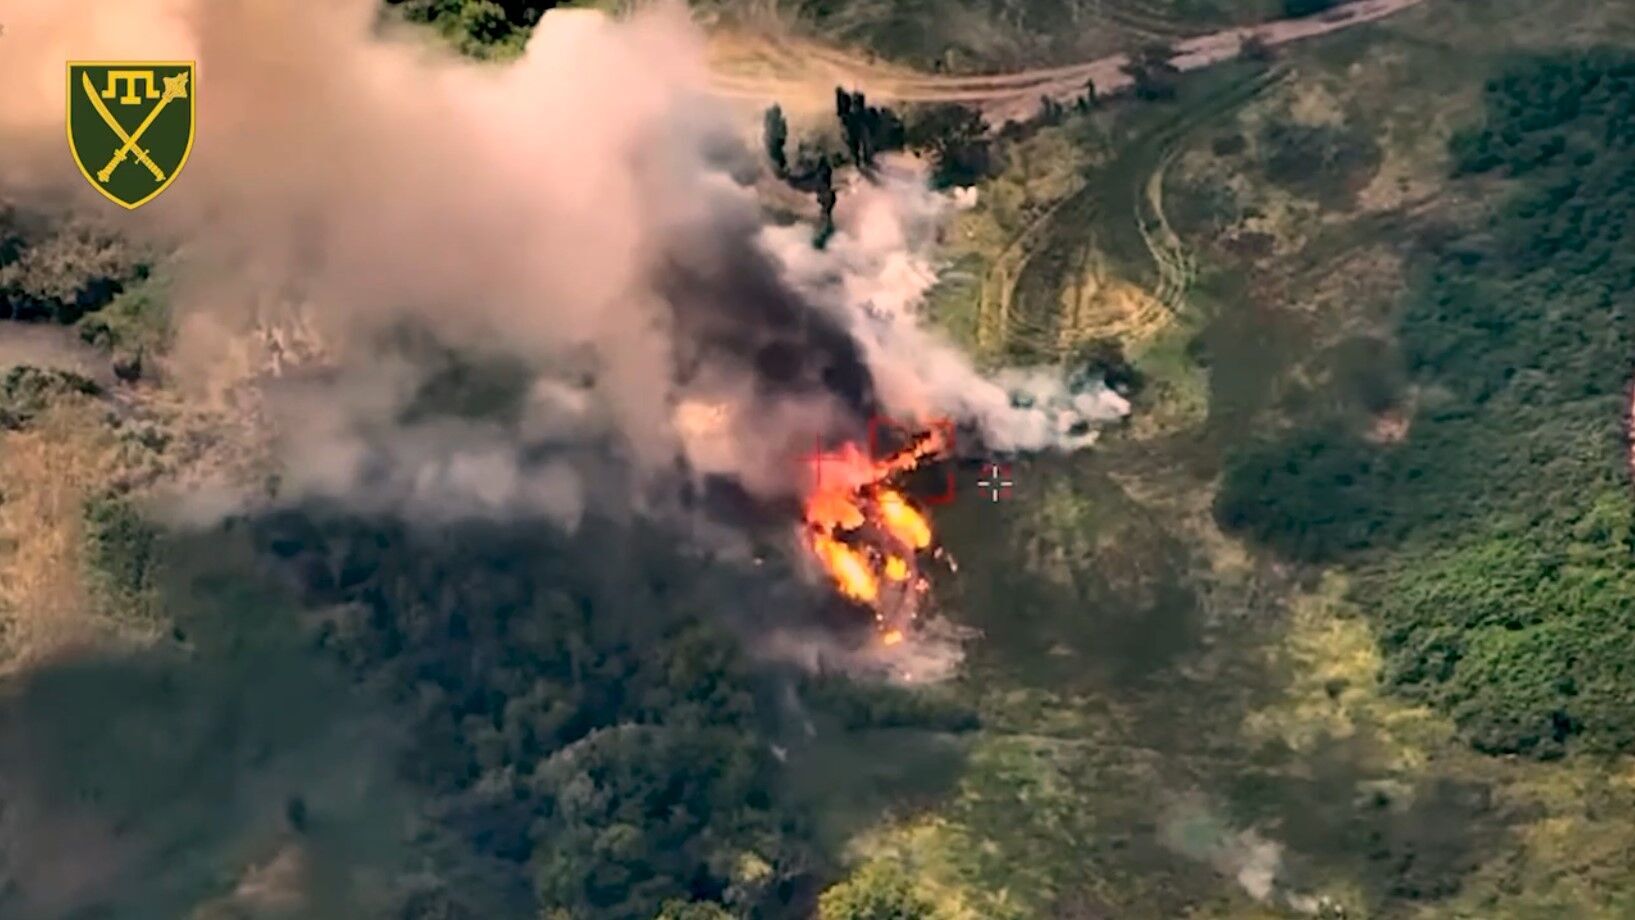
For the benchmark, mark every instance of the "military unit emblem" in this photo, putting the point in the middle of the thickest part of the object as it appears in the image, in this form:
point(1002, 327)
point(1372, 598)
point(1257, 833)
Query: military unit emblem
point(131, 125)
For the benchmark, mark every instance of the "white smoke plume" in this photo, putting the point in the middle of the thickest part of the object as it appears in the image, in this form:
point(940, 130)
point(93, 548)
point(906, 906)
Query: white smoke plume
point(368, 216)
point(1192, 826)
point(875, 274)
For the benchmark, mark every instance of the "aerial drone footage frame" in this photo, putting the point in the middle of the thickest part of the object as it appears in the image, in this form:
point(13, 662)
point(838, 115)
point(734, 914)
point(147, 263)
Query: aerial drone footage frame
point(680, 460)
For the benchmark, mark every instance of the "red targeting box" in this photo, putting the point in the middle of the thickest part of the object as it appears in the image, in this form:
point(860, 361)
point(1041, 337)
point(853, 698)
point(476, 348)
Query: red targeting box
point(882, 427)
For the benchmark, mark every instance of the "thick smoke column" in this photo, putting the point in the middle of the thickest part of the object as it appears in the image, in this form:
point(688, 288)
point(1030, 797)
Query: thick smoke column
point(371, 218)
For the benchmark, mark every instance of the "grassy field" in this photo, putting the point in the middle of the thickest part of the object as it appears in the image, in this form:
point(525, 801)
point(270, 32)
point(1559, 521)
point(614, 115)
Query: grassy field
point(992, 36)
point(1177, 722)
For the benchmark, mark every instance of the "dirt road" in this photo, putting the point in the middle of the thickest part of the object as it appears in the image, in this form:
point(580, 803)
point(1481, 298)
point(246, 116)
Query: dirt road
point(802, 73)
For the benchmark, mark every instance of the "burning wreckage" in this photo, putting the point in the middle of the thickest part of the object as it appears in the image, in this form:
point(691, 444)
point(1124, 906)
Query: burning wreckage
point(868, 535)
point(865, 518)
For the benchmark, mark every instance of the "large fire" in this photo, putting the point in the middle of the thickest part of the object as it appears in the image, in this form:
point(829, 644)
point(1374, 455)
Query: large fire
point(866, 533)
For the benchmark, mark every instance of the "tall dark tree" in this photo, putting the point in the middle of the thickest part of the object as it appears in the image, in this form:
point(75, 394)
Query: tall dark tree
point(867, 129)
point(776, 135)
point(826, 200)
point(850, 108)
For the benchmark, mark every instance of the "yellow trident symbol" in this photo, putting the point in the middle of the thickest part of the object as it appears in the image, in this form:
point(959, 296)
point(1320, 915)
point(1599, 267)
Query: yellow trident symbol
point(130, 78)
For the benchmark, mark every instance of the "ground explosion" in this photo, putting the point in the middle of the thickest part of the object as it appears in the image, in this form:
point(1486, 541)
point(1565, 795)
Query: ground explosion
point(869, 536)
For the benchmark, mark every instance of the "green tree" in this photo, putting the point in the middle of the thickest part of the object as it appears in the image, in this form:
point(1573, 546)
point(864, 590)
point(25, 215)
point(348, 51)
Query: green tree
point(578, 728)
point(867, 129)
point(480, 28)
point(775, 135)
point(956, 137)
point(1495, 541)
point(877, 891)
point(827, 199)
point(27, 391)
point(60, 270)
point(692, 910)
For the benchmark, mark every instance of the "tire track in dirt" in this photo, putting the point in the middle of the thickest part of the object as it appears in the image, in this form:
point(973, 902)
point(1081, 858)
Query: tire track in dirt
point(807, 67)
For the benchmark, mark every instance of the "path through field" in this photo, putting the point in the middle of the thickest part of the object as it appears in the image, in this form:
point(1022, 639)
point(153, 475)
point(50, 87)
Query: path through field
point(794, 72)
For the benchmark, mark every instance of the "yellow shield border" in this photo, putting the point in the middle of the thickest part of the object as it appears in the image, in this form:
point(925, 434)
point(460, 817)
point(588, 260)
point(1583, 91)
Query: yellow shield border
point(192, 114)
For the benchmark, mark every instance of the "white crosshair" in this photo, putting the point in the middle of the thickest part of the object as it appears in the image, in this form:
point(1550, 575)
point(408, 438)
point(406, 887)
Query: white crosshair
point(995, 481)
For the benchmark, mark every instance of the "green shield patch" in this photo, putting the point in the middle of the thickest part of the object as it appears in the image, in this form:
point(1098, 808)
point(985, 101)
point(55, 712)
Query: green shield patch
point(130, 125)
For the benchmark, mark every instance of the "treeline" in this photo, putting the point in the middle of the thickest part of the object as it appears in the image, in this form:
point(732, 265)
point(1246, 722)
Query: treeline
point(1496, 542)
point(595, 746)
point(953, 136)
point(577, 726)
point(480, 28)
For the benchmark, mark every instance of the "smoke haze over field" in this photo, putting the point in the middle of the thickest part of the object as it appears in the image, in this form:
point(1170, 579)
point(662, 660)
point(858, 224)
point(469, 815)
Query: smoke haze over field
point(363, 203)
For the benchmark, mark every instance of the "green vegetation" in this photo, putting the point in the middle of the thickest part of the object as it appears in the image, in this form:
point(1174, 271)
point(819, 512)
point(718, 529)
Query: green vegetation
point(868, 129)
point(1325, 162)
point(956, 138)
point(132, 327)
point(590, 733)
point(775, 138)
point(123, 558)
point(59, 270)
point(25, 392)
point(972, 36)
point(1497, 536)
point(880, 891)
point(692, 910)
point(480, 28)
point(583, 732)
point(1153, 722)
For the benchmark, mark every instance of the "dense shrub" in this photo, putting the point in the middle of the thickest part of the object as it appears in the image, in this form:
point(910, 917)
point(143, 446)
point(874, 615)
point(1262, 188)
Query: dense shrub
point(481, 28)
point(122, 560)
point(879, 891)
point(26, 391)
point(1494, 543)
point(56, 270)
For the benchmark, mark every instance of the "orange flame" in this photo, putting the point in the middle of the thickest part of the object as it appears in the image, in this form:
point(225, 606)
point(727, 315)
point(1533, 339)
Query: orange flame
point(876, 562)
point(907, 525)
point(849, 568)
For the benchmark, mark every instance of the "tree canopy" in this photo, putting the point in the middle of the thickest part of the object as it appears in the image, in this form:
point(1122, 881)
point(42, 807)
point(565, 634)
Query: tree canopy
point(1494, 542)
